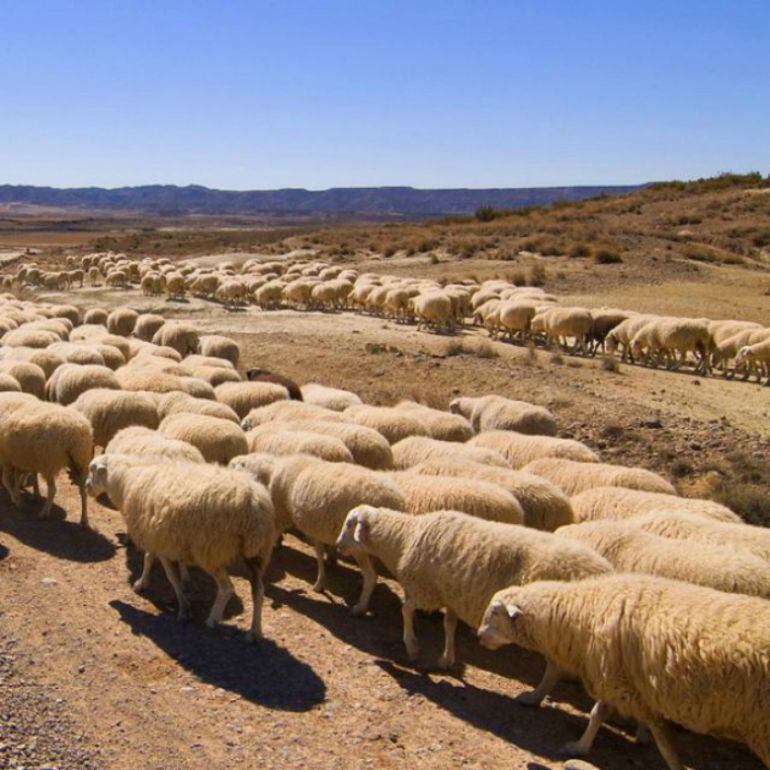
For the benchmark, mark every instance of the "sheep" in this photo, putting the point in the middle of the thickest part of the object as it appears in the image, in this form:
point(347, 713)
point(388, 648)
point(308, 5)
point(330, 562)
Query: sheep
point(629, 549)
point(263, 375)
point(74, 353)
point(622, 503)
point(198, 388)
point(367, 447)
point(243, 397)
point(147, 325)
point(284, 411)
point(182, 337)
point(215, 375)
point(448, 560)
point(497, 413)
point(122, 321)
point(624, 332)
point(476, 497)
point(45, 438)
point(667, 337)
point(758, 353)
point(574, 477)
point(444, 426)
point(48, 361)
point(193, 514)
point(30, 377)
point(544, 505)
point(519, 449)
point(515, 316)
point(560, 323)
point(30, 338)
point(70, 380)
point(70, 312)
point(95, 315)
point(434, 310)
point(217, 346)
point(416, 449)
point(270, 439)
point(335, 399)
point(691, 526)
point(315, 496)
point(394, 424)
point(109, 411)
point(260, 466)
point(177, 401)
point(218, 440)
point(654, 649)
point(9, 384)
point(145, 442)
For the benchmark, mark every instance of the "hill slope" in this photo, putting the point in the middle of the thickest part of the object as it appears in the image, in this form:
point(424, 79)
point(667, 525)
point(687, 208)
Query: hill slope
point(375, 201)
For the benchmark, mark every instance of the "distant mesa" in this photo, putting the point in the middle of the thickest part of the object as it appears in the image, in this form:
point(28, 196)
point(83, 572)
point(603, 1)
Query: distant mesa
point(372, 201)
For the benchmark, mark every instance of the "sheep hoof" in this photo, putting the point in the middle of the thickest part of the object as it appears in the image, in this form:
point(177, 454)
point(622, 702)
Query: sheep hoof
point(528, 699)
point(572, 749)
point(253, 638)
point(138, 586)
point(358, 611)
point(413, 652)
point(319, 586)
point(444, 663)
point(183, 614)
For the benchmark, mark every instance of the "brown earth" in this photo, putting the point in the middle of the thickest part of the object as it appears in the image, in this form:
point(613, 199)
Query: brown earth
point(118, 681)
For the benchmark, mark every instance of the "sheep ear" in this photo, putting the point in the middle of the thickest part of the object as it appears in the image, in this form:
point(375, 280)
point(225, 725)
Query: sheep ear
point(361, 533)
point(513, 611)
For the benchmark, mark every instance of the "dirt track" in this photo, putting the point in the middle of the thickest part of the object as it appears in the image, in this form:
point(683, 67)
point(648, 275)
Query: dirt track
point(324, 689)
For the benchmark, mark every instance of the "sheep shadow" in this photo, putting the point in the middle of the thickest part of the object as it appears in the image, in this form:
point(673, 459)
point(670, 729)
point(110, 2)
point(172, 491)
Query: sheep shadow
point(56, 536)
point(200, 590)
point(265, 673)
point(3, 552)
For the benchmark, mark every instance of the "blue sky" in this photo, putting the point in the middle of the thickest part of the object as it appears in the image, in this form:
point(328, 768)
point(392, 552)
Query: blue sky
point(432, 93)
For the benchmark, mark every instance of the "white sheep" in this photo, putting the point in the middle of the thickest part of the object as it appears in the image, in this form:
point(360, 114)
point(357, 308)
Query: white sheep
point(109, 411)
point(315, 496)
point(286, 411)
point(193, 514)
point(122, 321)
point(218, 440)
point(242, 397)
point(630, 549)
point(271, 439)
point(622, 503)
point(335, 399)
point(574, 477)
point(691, 526)
point(394, 424)
point(448, 560)
point(70, 380)
point(476, 497)
point(145, 442)
point(652, 648)
point(43, 438)
point(217, 346)
point(545, 506)
point(416, 449)
point(182, 337)
point(368, 447)
point(444, 426)
point(497, 413)
point(146, 326)
point(176, 402)
point(518, 449)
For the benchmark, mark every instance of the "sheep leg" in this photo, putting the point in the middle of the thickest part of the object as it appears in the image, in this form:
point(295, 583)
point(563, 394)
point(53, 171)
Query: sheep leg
point(320, 553)
point(9, 482)
point(255, 568)
point(184, 573)
point(45, 511)
point(224, 592)
point(139, 585)
point(550, 679)
point(581, 747)
point(665, 744)
point(447, 658)
point(173, 578)
point(83, 507)
point(370, 581)
point(410, 638)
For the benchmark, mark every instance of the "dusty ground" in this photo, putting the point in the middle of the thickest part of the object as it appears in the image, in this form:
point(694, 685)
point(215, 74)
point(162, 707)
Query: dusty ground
point(93, 675)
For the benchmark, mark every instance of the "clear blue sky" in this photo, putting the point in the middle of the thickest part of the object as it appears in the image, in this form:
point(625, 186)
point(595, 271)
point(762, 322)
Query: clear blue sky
point(251, 94)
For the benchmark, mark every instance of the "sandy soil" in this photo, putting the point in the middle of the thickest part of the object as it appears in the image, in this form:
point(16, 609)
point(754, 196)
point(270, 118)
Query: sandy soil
point(121, 682)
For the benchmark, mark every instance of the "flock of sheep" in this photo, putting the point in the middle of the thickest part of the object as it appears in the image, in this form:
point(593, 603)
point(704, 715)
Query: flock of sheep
point(658, 604)
point(524, 314)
